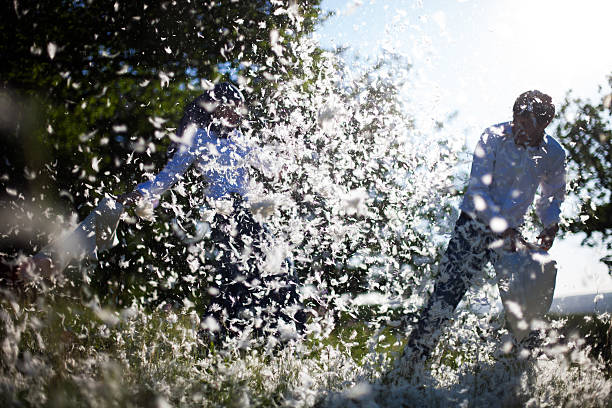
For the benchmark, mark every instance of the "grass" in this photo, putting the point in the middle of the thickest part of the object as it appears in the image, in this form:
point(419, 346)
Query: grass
point(59, 351)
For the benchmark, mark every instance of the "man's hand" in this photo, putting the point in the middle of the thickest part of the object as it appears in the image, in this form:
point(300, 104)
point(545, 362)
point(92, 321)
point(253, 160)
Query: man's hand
point(512, 235)
point(37, 265)
point(547, 236)
point(130, 199)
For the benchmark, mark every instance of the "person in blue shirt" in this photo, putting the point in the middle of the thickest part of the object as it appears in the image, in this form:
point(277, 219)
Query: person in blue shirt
point(511, 161)
point(209, 139)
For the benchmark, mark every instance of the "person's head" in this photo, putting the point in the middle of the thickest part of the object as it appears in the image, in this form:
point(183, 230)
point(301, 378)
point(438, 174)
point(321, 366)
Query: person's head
point(533, 111)
point(227, 104)
point(218, 109)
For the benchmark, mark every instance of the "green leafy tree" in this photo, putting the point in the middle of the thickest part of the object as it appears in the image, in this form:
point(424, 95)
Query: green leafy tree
point(91, 90)
point(585, 129)
point(362, 192)
point(102, 70)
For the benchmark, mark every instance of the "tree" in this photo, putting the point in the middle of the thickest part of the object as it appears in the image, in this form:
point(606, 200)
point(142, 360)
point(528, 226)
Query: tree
point(585, 128)
point(102, 70)
point(361, 192)
point(91, 90)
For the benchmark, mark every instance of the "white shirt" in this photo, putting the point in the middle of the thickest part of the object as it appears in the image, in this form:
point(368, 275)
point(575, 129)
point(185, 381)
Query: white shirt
point(222, 161)
point(505, 177)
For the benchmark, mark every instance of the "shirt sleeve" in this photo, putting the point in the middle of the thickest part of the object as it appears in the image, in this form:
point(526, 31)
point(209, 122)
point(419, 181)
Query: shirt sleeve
point(478, 194)
point(552, 189)
point(174, 170)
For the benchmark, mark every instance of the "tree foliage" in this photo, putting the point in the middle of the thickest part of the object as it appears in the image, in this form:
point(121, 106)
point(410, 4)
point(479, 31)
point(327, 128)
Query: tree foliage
point(585, 129)
point(91, 90)
point(102, 70)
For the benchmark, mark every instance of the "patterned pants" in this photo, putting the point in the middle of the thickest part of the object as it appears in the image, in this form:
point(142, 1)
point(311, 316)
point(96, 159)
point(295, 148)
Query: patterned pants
point(244, 295)
point(467, 254)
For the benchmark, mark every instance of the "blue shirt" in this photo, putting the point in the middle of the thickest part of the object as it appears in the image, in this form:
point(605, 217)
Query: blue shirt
point(505, 177)
point(221, 160)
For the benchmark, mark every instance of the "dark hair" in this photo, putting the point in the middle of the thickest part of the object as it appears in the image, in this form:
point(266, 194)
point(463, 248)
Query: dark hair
point(199, 110)
point(537, 103)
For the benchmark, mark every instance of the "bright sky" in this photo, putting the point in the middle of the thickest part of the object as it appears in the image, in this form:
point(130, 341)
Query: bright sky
point(476, 57)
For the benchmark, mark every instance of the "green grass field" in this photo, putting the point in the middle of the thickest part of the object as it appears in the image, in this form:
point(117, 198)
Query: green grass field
point(59, 352)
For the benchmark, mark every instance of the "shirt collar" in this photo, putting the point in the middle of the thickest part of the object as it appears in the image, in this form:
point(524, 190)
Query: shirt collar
point(526, 146)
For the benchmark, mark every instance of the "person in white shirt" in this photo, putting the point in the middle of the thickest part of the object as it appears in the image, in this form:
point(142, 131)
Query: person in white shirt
point(212, 142)
point(510, 162)
point(210, 139)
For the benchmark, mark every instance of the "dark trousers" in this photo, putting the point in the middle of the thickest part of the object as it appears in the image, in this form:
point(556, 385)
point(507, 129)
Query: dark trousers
point(242, 295)
point(467, 254)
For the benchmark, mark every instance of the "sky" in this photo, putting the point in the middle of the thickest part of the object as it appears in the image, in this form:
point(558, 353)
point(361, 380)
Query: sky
point(474, 57)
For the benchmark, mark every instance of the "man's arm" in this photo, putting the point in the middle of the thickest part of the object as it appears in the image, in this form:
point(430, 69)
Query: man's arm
point(181, 160)
point(170, 174)
point(481, 177)
point(548, 206)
